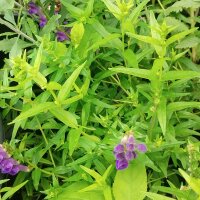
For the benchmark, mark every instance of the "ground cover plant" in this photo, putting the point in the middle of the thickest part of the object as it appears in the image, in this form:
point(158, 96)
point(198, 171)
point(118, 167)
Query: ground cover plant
point(99, 99)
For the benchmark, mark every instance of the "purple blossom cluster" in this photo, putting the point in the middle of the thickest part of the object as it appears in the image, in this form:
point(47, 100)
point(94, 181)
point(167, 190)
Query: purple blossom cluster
point(33, 9)
point(127, 150)
point(9, 165)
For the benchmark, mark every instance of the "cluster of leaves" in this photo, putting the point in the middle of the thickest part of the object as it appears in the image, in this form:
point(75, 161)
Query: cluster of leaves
point(129, 65)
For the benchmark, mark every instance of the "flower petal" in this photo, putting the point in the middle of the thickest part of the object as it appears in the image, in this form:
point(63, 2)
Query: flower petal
point(121, 164)
point(120, 156)
point(119, 148)
point(142, 147)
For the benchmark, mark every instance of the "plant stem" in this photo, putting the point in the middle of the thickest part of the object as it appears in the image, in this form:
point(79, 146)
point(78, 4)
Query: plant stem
point(46, 141)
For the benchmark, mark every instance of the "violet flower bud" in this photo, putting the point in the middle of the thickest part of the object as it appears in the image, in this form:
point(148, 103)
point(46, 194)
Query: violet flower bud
point(42, 21)
point(3, 155)
point(9, 165)
point(120, 156)
point(142, 147)
point(130, 147)
point(119, 148)
point(130, 155)
point(32, 8)
point(121, 164)
point(61, 36)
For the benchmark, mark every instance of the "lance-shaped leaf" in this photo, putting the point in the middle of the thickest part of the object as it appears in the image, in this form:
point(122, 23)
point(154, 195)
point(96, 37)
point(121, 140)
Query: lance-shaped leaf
point(194, 183)
point(64, 116)
point(35, 110)
point(113, 8)
point(141, 73)
point(73, 138)
point(161, 114)
point(179, 36)
point(173, 75)
point(67, 86)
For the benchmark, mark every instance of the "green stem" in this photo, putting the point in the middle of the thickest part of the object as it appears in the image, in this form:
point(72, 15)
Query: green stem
point(161, 5)
point(46, 141)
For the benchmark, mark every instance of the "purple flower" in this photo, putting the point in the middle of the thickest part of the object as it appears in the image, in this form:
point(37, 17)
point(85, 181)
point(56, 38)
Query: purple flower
point(121, 164)
point(42, 21)
point(61, 36)
point(142, 147)
point(130, 155)
point(130, 147)
point(120, 156)
point(3, 155)
point(18, 168)
point(9, 165)
point(119, 148)
point(126, 151)
point(32, 8)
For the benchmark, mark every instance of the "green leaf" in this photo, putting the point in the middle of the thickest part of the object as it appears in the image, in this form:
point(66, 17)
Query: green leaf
point(103, 41)
point(35, 110)
point(88, 10)
point(51, 25)
point(155, 33)
point(67, 86)
point(38, 59)
point(179, 36)
point(36, 174)
point(113, 8)
point(74, 11)
point(145, 39)
point(135, 13)
point(16, 50)
point(155, 196)
point(73, 137)
point(175, 106)
point(53, 86)
point(7, 44)
point(9, 16)
point(85, 113)
point(6, 5)
point(177, 24)
point(13, 190)
point(4, 181)
point(107, 193)
point(131, 183)
point(141, 73)
point(161, 114)
point(131, 58)
point(76, 33)
point(189, 42)
point(98, 27)
point(70, 193)
point(64, 116)
point(194, 183)
point(173, 75)
point(92, 173)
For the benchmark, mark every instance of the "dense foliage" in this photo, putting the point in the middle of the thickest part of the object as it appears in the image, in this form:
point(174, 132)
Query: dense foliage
point(79, 79)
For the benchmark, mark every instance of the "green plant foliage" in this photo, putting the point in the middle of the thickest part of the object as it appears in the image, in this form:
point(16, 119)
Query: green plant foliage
point(130, 183)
